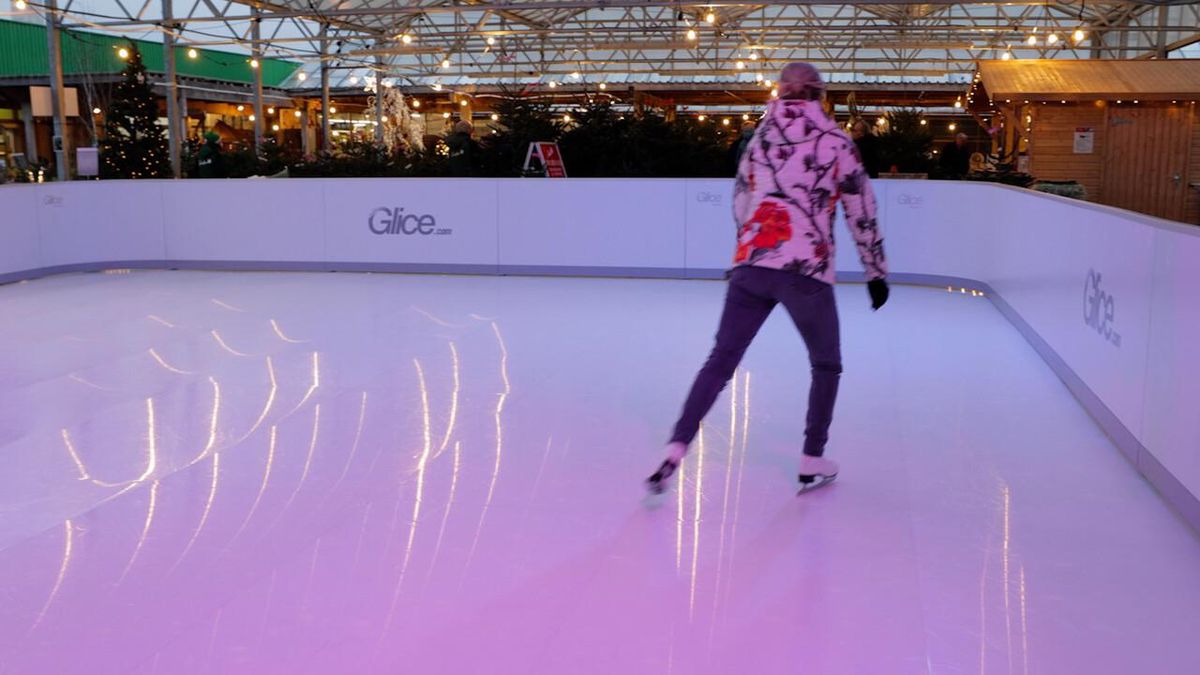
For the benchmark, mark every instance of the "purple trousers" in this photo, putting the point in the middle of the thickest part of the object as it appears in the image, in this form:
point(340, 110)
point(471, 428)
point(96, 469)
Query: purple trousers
point(753, 292)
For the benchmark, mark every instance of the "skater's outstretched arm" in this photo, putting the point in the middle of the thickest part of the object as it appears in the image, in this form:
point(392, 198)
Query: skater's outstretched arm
point(858, 200)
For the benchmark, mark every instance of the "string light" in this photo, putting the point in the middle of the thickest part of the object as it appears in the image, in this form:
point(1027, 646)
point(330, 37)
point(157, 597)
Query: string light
point(553, 84)
point(299, 114)
point(1006, 56)
point(95, 111)
point(710, 18)
point(274, 127)
point(353, 79)
point(332, 110)
point(254, 63)
point(416, 103)
point(758, 77)
point(491, 41)
point(271, 111)
point(1079, 35)
point(20, 5)
point(603, 86)
point(753, 56)
point(463, 103)
point(740, 65)
point(953, 126)
point(576, 75)
point(566, 118)
point(1032, 40)
point(774, 93)
point(923, 122)
point(252, 118)
point(445, 63)
point(192, 53)
point(701, 118)
point(725, 122)
point(302, 77)
point(406, 39)
point(240, 108)
point(745, 118)
point(691, 35)
point(1052, 38)
point(495, 117)
point(123, 53)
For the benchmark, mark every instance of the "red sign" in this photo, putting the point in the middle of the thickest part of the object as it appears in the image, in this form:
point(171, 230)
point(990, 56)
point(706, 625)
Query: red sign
point(552, 159)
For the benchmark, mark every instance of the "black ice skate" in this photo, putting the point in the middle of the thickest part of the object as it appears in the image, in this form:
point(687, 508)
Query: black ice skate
point(657, 483)
point(816, 472)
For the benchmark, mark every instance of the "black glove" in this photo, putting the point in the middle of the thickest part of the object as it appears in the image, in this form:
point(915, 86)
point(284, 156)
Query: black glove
point(878, 289)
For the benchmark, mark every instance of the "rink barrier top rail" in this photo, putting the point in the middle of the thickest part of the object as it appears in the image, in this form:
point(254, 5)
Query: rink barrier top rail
point(1104, 295)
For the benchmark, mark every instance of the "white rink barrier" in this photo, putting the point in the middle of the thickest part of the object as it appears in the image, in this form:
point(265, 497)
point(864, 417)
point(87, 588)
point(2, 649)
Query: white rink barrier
point(1106, 296)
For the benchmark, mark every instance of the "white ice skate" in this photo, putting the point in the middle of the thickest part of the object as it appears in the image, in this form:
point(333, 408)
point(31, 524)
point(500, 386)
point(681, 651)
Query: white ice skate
point(816, 472)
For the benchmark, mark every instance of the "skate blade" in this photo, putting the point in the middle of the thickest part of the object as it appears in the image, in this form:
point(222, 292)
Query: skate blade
point(814, 482)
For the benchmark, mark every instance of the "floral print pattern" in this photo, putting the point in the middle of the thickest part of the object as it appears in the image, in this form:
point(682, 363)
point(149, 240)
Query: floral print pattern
point(798, 167)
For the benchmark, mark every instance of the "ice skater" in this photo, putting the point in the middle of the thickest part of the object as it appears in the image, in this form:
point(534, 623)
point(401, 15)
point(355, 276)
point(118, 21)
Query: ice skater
point(798, 166)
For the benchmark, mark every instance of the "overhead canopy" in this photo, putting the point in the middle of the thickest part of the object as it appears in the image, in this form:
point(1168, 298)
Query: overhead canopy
point(1045, 79)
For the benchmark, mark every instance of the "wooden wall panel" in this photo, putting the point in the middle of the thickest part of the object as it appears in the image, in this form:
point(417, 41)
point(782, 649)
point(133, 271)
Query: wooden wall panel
point(1146, 147)
point(1052, 144)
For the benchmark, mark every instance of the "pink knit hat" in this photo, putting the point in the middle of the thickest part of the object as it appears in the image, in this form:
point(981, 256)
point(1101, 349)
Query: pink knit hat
point(800, 80)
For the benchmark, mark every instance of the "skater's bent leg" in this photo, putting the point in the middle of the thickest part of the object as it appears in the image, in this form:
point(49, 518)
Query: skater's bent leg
point(813, 308)
point(745, 311)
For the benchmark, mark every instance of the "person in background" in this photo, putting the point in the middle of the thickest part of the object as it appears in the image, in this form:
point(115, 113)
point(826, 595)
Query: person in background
point(799, 165)
point(868, 146)
point(464, 150)
point(955, 161)
point(739, 145)
point(211, 161)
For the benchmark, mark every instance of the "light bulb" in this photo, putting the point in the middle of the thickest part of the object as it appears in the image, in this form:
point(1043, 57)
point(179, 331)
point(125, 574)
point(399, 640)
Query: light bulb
point(701, 118)
point(240, 108)
point(353, 79)
point(491, 41)
point(753, 56)
point(758, 77)
point(123, 53)
point(20, 5)
point(710, 18)
point(953, 127)
point(383, 118)
point(745, 118)
point(566, 118)
point(299, 114)
point(332, 110)
point(923, 122)
point(881, 121)
point(252, 118)
point(271, 111)
point(445, 115)
point(740, 65)
point(253, 63)
point(495, 117)
point(1006, 56)
point(1079, 35)
point(416, 103)
point(463, 103)
point(774, 93)
point(576, 75)
point(691, 35)
point(274, 127)
point(445, 63)
point(406, 39)
point(95, 111)
point(603, 86)
point(1052, 38)
point(1032, 40)
point(302, 77)
point(192, 53)
point(553, 84)
point(767, 82)
point(958, 104)
point(437, 87)
point(725, 122)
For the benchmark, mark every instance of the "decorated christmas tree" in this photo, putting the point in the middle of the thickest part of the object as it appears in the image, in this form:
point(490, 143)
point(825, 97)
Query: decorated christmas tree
point(401, 131)
point(134, 145)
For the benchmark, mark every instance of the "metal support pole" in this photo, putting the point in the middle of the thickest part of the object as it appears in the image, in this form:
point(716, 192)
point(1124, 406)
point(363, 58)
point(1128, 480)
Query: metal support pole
point(62, 144)
point(306, 131)
point(256, 54)
point(325, 129)
point(379, 73)
point(183, 115)
point(173, 138)
point(31, 149)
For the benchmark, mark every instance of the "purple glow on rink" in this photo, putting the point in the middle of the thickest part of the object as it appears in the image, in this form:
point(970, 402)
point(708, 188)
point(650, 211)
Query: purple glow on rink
point(354, 473)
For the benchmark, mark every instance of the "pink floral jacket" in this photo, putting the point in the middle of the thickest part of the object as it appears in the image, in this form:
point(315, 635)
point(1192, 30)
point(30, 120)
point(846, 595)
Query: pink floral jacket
point(796, 169)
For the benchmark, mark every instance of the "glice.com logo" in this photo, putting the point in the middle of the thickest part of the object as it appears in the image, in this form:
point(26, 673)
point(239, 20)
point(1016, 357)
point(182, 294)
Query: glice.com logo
point(1099, 309)
point(388, 220)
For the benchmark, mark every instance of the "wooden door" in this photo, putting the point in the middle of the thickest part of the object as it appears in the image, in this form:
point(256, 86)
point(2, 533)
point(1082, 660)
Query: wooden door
point(1146, 159)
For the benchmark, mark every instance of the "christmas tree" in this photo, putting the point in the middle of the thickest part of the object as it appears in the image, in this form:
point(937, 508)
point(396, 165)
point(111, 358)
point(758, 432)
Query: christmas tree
point(134, 145)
